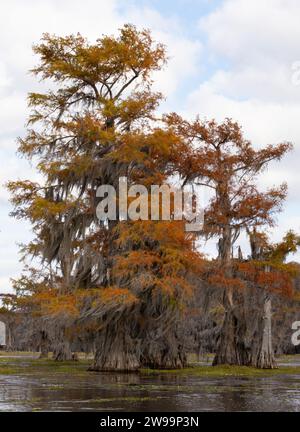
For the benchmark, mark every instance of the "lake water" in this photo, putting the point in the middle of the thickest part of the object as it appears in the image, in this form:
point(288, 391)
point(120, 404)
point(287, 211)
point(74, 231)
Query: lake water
point(135, 392)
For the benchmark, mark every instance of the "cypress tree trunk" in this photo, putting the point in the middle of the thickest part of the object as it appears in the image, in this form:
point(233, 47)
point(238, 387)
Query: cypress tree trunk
point(231, 347)
point(166, 352)
point(44, 346)
point(62, 347)
point(62, 352)
point(116, 351)
point(128, 344)
point(9, 341)
point(262, 355)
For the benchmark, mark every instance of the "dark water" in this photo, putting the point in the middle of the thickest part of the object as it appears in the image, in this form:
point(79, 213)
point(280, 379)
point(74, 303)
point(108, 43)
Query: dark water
point(135, 392)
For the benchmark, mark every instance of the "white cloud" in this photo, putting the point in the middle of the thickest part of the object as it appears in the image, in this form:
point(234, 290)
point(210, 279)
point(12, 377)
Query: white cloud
point(248, 32)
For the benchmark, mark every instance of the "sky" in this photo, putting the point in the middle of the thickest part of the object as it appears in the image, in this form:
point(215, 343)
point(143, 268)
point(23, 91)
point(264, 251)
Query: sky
point(227, 58)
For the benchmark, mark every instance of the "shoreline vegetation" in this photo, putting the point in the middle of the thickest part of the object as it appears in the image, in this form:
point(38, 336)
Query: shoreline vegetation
point(27, 363)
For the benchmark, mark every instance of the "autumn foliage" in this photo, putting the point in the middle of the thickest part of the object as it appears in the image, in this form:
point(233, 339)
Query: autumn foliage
point(126, 283)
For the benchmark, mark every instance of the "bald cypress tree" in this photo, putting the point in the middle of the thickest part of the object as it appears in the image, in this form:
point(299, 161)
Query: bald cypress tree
point(219, 158)
point(124, 282)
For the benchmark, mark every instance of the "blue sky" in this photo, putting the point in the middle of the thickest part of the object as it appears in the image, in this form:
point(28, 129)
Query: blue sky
point(187, 11)
point(228, 58)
